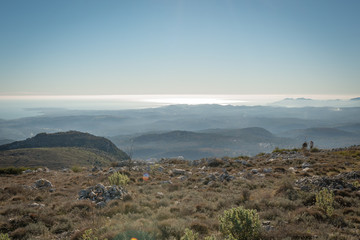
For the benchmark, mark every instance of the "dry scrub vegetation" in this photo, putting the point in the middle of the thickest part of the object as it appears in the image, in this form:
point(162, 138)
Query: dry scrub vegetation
point(281, 187)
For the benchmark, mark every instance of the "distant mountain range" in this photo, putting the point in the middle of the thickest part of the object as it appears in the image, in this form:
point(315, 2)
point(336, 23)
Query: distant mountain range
point(207, 143)
point(196, 131)
point(229, 142)
point(307, 102)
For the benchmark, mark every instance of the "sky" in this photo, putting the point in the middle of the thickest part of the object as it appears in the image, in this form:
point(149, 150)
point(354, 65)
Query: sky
point(112, 47)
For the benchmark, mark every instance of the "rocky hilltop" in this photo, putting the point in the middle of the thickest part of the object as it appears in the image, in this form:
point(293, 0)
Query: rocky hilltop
point(68, 139)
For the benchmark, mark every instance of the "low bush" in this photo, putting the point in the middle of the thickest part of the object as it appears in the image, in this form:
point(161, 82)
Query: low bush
point(119, 179)
point(190, 235)
point(4, 236)
point(325, 201)
point(13, 170)
point(240, 224)
point(76, 169)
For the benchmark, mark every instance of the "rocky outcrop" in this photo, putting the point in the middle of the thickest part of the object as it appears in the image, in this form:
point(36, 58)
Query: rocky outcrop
point(101, 194)
point(338, 182)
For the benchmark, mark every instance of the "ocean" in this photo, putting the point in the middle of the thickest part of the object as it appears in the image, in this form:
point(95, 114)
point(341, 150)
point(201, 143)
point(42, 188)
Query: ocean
point(12, 107)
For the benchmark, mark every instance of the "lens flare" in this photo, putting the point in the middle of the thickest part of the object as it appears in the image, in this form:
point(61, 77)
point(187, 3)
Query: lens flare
point(146, 176)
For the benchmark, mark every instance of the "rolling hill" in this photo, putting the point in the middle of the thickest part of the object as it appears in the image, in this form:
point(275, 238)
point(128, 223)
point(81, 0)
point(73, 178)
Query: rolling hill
point(59, 150)
point(54, 158)
point(206, 143)
point(68, 139)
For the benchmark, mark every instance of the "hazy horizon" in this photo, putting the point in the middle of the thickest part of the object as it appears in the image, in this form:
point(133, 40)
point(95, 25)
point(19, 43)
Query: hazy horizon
point(12, 107)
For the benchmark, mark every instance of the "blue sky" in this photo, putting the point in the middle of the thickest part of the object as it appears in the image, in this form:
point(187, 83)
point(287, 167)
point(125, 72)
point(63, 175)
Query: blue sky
point(179, 47)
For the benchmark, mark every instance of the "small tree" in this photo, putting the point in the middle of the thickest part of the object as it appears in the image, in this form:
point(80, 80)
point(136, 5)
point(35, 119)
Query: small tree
point(325, 201)
point(119, 179)
point(240, 224)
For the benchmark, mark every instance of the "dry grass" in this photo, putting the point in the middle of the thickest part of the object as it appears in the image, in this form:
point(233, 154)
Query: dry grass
point(164, 210)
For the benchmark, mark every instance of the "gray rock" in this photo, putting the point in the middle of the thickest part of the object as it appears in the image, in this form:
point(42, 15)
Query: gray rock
point(267, 170)
point(100, 204)
point(179, 171)
point(182, 178)
point(166, 182)
point(211, 177)
point(100, 193)
point(266, 223)
point(226, 177)
point(36, 205)
point(254, 171)
point(95, 169)
point(305, 165)
point(337, 182)
point(43, 183)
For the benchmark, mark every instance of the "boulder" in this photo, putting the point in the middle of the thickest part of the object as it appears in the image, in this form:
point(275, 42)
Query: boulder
point(43, 183)
point(305, 165)
point(36, 205)
point(267, 170)
point(100, 204)
point(178, 171)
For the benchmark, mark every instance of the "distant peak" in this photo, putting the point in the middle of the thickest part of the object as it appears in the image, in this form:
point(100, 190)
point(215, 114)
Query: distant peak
point(298, 99)
point(355, 99)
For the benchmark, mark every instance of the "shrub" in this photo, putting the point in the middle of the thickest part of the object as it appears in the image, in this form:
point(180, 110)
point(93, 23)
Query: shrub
point(4, 236)
point(315, 150)
point(190, 235)
point(325, 201)
point(13, 170)
point(88, 235)
point(240, 224)
point(76, 169)
point(119, 179)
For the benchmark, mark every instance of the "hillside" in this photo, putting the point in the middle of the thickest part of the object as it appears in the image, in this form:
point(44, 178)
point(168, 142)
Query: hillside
point(55, 158)
point(281, 186)
point(68, 139)
point(326, 137)
point(206, 143)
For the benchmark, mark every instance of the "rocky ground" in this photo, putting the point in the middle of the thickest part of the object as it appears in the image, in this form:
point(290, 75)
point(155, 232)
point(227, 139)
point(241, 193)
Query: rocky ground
point(164, 198)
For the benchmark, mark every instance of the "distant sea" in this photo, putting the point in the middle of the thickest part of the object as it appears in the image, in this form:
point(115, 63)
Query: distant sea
point(12, 107)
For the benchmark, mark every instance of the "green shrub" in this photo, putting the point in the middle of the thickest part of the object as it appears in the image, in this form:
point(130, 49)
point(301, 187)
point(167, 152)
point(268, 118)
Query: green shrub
point(284, 150)
point(190, 235)
point(4, 236)
point(315, 150)
point(13, 170)
point(240, 224)
point(76, 169)
point(325, 201)
point(119, 179)
point(88, 235)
